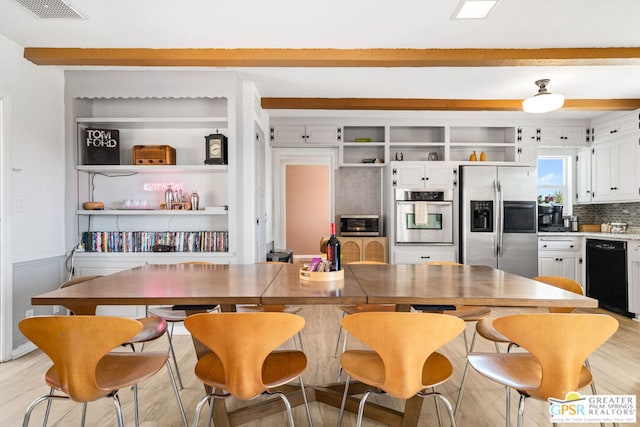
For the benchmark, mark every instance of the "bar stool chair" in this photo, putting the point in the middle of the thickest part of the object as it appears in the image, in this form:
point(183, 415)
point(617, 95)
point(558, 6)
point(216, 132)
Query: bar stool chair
point(558, 346)
point(244, 362)
point(84, 368)
point(152, 329)
point(486, 330)
point(403, 361)
point(173, 315)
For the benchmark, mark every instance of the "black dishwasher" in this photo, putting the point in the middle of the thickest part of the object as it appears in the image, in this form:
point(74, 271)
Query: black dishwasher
point(607, 274)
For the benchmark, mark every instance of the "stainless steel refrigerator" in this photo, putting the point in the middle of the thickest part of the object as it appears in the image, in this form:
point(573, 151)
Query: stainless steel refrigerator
point(498, 218)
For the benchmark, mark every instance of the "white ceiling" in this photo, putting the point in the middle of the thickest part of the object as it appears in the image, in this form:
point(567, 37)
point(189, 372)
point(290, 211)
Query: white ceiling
point(361, 24)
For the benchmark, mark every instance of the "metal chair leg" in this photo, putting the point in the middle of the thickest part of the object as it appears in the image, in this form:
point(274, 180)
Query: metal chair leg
point(435, 399)
point(363, 400)
point(507, 411)
point(46, 412)
point(464, 374)
point(177, 393)
point(521, 409)
point(116, 403)
point(173, 355)
point(306, 402)
point(344, 400)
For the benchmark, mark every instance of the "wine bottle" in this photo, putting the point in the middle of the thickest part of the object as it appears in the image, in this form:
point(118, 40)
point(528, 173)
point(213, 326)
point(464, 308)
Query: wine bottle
point(333, 249)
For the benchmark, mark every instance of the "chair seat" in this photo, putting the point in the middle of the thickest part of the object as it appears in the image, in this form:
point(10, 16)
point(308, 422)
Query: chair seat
point(486, 330)
point(152, 328)
point(271, 308)
point(368, 367)
point(520, 371)
point(366, 308)
point(469, 313)
point(279, 368)
point(168, 314)
point(118, 370)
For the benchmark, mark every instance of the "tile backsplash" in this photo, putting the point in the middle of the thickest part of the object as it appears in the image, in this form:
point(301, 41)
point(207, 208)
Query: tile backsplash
point(610, 212)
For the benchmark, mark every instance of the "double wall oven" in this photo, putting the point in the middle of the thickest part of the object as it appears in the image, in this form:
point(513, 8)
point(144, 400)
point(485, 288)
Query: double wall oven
point(424, 217)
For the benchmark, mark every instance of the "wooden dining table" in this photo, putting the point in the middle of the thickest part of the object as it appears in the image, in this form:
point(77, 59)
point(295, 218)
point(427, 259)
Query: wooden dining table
point(199, 286)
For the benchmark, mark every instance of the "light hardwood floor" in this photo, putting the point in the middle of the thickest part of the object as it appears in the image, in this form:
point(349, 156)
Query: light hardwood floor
point(616, 368)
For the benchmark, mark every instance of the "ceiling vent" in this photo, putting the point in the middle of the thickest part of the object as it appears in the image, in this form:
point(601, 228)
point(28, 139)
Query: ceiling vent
point(51, 9)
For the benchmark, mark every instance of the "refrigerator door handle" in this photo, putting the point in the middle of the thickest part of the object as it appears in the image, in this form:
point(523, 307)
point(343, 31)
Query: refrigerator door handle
point(500, 212)
point(496, 201)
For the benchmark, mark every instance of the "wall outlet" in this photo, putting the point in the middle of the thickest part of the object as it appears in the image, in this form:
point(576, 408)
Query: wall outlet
point(56, 309)
point(28, 313)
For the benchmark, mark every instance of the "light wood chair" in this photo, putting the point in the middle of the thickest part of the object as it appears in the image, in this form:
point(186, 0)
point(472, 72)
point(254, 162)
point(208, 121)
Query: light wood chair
point(173, 315)
point(84, 368)
point(244, 362)
point(403, 361)
point(485, 328)
point(152, 329)
point(558, 346)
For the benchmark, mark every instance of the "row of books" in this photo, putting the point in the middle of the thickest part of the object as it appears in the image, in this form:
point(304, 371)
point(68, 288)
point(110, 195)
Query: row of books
point(152, 241)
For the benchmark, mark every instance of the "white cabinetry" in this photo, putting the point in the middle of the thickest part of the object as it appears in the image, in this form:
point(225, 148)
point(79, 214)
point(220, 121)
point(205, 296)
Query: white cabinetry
point(616, 127)
point(497, 142)
point(583, 175)
point(615, 170)
point(561, 256)
point(295, 135)
point(633, 267)
point(433, 176)
point(363, 146)
point(564, 136)
point(422, 254)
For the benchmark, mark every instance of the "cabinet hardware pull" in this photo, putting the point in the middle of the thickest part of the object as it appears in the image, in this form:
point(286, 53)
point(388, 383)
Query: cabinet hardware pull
point(425, 257)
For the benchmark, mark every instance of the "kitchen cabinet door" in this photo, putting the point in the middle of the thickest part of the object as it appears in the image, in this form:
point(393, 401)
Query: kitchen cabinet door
point(354, 249)
point(583, 176)
point(615, 173)
point(564, 136)
point(295, 135)
point(561, 256)
point(423, 175)
point(422, 254)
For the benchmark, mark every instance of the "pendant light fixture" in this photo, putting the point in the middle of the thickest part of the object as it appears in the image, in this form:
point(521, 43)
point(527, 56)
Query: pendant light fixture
point(543, 101)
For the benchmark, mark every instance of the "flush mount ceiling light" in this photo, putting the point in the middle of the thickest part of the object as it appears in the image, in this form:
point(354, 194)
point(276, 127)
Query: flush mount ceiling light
point(474, 9)
point(543, 101)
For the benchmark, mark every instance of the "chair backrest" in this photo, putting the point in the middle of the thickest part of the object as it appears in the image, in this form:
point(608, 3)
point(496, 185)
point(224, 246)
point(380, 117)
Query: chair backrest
point(562, 283)
point(243, 341)
point(441, 263)
point(404, 341)
point(561, 343)
point(76, 344)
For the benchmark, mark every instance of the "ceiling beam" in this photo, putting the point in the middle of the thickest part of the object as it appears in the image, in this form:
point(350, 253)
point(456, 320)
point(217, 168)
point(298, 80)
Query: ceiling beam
point(333, 57)
point(420, 104)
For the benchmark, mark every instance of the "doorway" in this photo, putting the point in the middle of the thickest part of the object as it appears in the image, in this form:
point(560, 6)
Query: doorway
point(303, 199)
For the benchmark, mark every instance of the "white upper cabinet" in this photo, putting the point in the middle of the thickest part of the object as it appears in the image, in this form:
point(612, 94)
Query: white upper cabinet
point(583, 175)
point(614, 128)
point(423, 175)
point(296, 135)
point(615, 173)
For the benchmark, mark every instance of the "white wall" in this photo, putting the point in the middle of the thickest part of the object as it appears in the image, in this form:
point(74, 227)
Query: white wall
point(35, 138)
point(33, 184)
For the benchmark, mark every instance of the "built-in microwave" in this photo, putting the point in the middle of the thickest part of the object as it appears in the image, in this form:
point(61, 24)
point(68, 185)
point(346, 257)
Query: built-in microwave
point(360, 225)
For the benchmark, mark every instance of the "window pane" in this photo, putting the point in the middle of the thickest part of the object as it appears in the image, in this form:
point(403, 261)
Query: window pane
point(551, 180)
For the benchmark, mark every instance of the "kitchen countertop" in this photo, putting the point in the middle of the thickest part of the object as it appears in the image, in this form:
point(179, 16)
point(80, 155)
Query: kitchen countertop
point(592, 235)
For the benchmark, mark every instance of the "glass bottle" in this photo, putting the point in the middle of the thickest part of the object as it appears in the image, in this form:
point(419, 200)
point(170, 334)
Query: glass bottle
point(473, 157)
point(168, 198)
point(333, 249)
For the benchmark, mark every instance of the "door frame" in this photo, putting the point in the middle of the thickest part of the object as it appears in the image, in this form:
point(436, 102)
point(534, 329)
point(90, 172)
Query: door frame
point(297, 156)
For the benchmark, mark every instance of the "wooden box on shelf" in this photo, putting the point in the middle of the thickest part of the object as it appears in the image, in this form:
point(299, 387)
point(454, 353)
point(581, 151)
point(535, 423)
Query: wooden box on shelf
point(154, 155)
